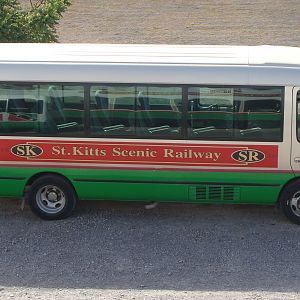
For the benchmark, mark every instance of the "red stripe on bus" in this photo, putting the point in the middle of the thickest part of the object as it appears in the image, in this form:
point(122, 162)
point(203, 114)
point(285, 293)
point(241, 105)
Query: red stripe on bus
point(142, 153)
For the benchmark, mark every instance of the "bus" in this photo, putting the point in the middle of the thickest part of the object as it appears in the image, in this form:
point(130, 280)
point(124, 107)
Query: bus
point(164, 123)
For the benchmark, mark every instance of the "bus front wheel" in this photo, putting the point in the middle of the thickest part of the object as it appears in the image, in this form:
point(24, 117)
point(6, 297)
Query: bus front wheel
point(290, 201)
point(51, 197)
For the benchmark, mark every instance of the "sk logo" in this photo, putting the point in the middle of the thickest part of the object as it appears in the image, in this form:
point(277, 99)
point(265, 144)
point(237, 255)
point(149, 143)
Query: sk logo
point(26, 150)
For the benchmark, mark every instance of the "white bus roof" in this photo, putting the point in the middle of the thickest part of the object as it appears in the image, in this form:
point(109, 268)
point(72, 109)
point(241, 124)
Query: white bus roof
point(157, 54)
point(161, 64)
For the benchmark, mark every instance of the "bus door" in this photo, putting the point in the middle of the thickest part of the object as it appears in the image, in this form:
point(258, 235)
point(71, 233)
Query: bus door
point(295, 151)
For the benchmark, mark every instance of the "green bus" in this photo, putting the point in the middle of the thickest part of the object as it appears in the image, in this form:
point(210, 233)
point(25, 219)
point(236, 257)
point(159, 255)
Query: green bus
point(165, 123)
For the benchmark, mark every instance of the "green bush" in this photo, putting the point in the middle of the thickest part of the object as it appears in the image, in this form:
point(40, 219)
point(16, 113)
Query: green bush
point(33, 25)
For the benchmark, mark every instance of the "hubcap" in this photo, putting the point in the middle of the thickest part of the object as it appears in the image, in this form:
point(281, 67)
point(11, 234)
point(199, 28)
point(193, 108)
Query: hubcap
point(295, 203)
point(50, 199)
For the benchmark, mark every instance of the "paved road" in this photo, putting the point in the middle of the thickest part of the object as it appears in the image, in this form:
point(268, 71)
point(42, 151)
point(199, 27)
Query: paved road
point(175, 251)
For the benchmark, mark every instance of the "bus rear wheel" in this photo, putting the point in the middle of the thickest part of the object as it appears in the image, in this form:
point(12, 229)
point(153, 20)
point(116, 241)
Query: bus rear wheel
point(51, 197)
point(290, 201)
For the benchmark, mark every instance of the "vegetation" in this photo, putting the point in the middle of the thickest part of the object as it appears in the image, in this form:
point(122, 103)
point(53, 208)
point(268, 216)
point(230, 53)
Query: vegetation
point(36, 23)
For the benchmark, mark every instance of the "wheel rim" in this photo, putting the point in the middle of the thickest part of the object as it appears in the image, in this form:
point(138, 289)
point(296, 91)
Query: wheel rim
point(295, 204)
point(50, 199)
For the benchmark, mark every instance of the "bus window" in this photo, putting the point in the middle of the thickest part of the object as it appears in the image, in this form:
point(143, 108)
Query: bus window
point(260, 116)
point(251, 114)
point(159, 111)
point(112, 110)
point(19, 109)
point(210, 113)
point(64, 109)
point(143, 111)
point(41, 109)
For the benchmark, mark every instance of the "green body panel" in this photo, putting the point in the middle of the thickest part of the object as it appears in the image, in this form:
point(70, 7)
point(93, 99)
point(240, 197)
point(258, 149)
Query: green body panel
point(12, 188)
point(157, 185)
point(132, 191)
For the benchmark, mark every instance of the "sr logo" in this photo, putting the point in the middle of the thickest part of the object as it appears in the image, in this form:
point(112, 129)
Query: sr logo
point(26, 150)
point(248, 156)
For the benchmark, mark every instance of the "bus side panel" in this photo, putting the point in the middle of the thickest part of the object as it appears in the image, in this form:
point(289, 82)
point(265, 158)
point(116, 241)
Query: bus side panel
point(11, 188)
point(179, 186)
point(259, 195)
point(12, 182)
point(177, 193)
point(132, 191)
point(156, 185)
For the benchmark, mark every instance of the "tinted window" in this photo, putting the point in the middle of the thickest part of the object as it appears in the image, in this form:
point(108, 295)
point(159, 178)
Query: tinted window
point(235, 113)
point(41, 109)
point(143, 111)
point(112, 110)
point(159, 111)
point(213, 113)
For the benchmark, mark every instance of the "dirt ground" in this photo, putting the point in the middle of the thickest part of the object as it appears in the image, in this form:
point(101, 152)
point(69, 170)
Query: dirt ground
point(236, 22)
point(123, 251)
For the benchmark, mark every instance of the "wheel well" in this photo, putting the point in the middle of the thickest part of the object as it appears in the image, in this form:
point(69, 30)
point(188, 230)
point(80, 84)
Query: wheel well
point(285, 186)
point(38, 175)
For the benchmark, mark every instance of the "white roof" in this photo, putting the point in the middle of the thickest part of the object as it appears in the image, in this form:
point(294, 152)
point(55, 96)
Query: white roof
point(150, 54)
point(161, 64)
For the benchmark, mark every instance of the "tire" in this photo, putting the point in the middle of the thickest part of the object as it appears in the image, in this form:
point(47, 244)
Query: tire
point(51, 197)
point(289, 201)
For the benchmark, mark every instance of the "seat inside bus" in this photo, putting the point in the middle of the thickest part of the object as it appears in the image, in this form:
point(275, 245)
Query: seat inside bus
point(139, 115)
point(255, 119)
point(112, 116)
point(158, 115)
point(57, 115)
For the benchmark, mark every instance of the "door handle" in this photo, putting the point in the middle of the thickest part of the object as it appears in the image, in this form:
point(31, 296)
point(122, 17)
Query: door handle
point(297, 159)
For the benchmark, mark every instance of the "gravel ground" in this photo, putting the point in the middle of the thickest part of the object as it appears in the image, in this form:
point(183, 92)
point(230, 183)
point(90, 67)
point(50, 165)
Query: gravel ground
point(110, 250)
point(122, 251)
